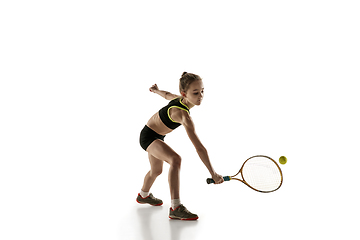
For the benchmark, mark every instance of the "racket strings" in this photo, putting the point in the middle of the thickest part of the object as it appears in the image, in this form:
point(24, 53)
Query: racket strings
point(262, 174)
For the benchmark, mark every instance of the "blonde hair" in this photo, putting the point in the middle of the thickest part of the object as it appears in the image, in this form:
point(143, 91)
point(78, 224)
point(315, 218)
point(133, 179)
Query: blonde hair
point(186, 79)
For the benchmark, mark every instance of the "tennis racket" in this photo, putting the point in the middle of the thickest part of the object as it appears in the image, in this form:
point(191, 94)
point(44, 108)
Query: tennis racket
point(260, 173)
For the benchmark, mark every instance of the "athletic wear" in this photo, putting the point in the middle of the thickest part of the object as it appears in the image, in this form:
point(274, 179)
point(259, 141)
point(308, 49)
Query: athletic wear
point(164, 113)
point(147, 136)
point(182, 213)
point(149, 200)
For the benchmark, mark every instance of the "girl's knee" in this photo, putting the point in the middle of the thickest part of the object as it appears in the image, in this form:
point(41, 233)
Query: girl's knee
point(156, 172)
point(176, 160)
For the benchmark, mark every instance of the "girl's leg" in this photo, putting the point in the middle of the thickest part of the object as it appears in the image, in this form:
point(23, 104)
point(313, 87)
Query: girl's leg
point(156, 170)
point(161, 151)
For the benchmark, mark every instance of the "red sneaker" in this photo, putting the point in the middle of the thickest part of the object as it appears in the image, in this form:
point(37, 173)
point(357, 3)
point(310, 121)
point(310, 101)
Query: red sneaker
point(182, 213)
point(149, 200)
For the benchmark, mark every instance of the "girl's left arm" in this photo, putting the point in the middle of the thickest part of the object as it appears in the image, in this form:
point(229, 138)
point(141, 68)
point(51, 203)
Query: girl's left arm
point(200, 149)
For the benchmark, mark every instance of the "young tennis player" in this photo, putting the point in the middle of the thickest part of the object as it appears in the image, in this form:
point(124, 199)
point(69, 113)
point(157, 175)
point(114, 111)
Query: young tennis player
point(176, 113)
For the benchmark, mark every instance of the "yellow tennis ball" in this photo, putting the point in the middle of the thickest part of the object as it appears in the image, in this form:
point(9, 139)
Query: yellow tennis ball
point(282, 160)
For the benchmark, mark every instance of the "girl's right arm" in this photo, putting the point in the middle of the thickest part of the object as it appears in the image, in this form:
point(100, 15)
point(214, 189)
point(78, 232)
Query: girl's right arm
point(164, 94)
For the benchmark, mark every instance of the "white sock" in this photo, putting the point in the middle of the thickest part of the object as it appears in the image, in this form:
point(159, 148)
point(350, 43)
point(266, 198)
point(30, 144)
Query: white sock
point(144, 194)
point(175, 203)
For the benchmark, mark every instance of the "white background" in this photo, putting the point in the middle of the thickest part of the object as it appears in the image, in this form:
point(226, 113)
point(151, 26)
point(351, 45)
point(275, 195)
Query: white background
point(281, 78)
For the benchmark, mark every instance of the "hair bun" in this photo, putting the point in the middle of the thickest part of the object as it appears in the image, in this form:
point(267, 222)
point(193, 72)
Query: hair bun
point(184, 74)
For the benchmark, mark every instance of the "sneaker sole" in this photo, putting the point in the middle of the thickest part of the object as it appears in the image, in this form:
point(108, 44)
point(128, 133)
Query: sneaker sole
point(159, 204)
point(184, 219)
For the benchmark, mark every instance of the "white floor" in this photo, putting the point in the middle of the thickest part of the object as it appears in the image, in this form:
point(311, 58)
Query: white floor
point(234, 211)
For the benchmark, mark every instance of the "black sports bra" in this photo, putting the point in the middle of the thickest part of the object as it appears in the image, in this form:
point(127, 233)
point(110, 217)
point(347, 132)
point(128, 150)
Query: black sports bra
point(164, 113)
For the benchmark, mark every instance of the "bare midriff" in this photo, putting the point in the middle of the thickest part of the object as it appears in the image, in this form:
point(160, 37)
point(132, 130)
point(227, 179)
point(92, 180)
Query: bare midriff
point(157, 125)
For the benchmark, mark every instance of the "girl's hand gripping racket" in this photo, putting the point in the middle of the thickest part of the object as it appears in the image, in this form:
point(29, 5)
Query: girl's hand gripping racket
point(260, 173)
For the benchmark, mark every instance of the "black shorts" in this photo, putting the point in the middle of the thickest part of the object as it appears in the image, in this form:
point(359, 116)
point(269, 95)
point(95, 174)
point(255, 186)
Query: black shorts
point(147, 136)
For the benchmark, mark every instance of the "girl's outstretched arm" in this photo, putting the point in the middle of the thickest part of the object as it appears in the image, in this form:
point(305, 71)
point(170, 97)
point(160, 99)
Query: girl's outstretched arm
point(165, 94)
point(200, 149)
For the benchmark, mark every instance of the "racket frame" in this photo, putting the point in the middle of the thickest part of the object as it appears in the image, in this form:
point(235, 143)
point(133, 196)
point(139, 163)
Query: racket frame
point(228, 178)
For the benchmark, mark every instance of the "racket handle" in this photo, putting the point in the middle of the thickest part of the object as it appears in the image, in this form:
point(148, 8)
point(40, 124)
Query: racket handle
point(210, 180)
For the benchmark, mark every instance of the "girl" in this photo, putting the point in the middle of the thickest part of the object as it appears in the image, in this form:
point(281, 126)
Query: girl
point(176, 113)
